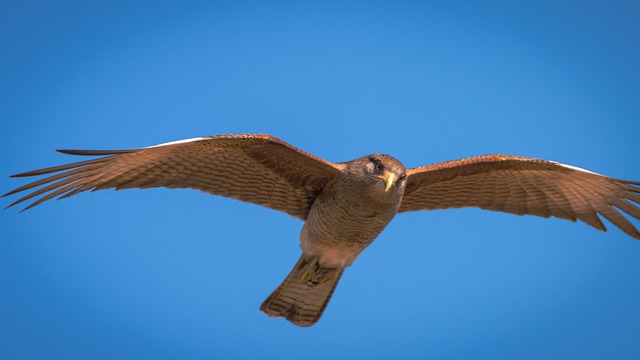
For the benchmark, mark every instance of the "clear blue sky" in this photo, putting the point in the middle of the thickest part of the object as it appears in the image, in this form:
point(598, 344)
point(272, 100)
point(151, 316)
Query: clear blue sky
point(178, 274)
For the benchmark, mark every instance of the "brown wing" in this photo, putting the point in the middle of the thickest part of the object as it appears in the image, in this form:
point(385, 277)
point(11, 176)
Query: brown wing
point(259, 169)
point(521, 185)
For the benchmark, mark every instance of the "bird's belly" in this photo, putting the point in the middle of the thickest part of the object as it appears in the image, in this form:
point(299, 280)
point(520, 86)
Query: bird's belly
point(337, 235)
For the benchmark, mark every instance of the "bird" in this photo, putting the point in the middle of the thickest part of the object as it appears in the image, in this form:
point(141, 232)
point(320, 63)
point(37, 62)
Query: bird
point(344, 205)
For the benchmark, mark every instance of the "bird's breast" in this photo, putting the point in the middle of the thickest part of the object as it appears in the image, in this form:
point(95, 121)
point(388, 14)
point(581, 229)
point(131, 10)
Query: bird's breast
point(342, 222)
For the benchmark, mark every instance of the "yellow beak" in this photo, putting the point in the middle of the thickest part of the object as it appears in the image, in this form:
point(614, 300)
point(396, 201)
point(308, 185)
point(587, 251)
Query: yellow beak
point(389, 179)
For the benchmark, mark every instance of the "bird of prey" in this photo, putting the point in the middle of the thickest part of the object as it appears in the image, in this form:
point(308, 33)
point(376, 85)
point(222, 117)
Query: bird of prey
point(344, 205)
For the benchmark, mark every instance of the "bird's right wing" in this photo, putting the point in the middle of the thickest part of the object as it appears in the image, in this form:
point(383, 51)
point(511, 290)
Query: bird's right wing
point(521, 185)
point(259, 169)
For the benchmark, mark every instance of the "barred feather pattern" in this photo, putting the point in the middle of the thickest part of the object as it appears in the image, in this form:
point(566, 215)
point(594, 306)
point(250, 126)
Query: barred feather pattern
point(524, 186)
point(259, 169)
point(298, 301)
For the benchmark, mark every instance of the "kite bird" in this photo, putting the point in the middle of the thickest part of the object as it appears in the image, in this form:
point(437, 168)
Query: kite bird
point(344, 205)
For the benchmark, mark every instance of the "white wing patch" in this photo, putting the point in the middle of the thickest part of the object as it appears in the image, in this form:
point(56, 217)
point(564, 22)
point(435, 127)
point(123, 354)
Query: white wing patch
point(177, 142)
point(575, 168)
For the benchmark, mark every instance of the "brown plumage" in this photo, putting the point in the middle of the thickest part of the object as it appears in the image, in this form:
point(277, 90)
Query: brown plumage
point(345, 206)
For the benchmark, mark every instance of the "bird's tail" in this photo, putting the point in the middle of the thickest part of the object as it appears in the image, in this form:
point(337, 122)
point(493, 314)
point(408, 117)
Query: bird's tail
point(304, 294)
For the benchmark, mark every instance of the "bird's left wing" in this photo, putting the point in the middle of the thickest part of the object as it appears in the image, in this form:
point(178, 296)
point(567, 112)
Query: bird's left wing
point(521, 185)
point(255, 168)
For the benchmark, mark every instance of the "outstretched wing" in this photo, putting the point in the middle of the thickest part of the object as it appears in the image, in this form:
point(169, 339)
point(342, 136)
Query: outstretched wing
point(521, 185)
point(259, 169)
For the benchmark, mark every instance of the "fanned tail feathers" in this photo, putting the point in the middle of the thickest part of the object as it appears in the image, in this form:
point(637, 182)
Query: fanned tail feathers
point(301, 301)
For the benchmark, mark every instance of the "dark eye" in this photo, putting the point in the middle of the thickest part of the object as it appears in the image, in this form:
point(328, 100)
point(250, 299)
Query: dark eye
point(402, 177)
point(378, 166)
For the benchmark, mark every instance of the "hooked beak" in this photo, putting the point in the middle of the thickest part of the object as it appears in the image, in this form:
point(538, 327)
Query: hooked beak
point(389, 179)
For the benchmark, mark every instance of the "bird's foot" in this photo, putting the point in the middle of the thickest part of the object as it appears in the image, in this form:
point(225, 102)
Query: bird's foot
point(314, 274)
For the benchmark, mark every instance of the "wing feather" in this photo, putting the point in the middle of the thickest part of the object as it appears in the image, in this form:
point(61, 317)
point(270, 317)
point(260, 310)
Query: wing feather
point(524, 186)
point(259, 169)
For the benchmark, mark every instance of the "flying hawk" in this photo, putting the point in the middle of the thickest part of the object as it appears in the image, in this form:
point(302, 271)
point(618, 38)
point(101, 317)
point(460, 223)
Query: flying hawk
point(344, 205)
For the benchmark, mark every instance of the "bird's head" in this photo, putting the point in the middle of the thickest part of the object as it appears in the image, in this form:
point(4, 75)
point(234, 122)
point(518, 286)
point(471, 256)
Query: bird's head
point(385, 171)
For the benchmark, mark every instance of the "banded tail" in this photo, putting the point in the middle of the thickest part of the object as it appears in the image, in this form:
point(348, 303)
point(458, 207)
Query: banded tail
point(304, 294)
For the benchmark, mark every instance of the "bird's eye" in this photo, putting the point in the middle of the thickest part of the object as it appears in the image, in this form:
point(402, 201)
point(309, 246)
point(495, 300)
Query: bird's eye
point(378, 167)
point(402, 177)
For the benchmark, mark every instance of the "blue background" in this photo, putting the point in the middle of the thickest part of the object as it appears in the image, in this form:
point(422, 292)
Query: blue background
point(178, 274)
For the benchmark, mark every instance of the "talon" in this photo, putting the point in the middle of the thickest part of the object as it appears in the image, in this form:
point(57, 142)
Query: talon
point(313, 274)
point(309, 272)
point(329, 274)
